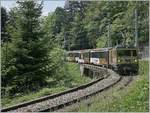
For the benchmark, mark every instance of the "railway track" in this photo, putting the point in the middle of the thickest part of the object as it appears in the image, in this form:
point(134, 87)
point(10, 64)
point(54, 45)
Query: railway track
point(123, 83)
point(85, 93)
point(65, 98)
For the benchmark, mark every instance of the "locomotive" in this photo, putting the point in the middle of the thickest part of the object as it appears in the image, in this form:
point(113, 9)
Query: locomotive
point(123, 60)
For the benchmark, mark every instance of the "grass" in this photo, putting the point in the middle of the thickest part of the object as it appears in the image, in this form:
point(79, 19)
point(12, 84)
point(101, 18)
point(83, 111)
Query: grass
point(74, 73)
point(134, 98)
point(75, 79)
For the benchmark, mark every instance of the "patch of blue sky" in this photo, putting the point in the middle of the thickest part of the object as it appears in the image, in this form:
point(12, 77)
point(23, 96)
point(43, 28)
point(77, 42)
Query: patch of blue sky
point(48, 6)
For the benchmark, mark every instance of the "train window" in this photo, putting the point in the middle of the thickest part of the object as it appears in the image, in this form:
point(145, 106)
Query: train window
point(86, 55)
point(124, 52)
point(80, 55)
point(71, 55)
point(99, 54)
point(103, 54)
point(134, 52)
point(76, 54)
point(95, 54)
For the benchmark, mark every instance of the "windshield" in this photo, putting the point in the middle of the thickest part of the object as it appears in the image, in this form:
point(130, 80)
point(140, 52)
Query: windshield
point(134, 52)
point(126, 53)
point(99, 54)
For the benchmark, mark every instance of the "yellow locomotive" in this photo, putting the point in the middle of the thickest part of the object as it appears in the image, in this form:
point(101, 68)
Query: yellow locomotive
point(124, 60)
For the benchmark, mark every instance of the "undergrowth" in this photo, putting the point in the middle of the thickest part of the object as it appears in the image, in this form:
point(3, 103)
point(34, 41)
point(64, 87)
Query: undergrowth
point(74, 79)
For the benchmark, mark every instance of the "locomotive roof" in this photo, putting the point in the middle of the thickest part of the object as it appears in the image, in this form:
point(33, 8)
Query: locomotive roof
point(79, 51)
point(73, 51)
point(125, 47)
point(100, 49)
point(85, 50)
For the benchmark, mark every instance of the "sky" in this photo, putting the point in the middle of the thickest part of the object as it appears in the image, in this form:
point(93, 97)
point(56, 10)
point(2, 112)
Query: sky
point(49, 5)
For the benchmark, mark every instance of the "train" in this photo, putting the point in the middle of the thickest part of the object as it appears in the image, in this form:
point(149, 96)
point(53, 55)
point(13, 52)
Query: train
point(123, 60)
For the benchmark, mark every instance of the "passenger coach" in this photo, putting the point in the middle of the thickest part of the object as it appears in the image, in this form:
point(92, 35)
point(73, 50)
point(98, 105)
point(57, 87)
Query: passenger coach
point(84, 56)
point(99, 56)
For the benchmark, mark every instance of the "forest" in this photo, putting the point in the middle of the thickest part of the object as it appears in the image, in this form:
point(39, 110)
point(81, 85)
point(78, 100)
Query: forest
point(33, 46)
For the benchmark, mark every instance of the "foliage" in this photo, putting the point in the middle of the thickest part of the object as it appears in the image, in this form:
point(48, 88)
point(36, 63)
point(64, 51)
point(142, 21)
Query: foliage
point(85, 24)
point(74, 79)
point(35, 52)
point(88, 23)
point(26, 68)
point(4, 20)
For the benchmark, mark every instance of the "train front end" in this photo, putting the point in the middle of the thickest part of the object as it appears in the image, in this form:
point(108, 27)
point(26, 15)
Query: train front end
point(127, 60)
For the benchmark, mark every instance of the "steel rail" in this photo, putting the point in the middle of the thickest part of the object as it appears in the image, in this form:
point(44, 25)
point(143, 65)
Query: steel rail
point(56, 107)
point(24, 104)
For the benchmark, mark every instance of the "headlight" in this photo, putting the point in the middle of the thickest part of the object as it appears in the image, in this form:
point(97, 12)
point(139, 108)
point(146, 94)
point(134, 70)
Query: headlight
point(135, 60)
point(118, 60)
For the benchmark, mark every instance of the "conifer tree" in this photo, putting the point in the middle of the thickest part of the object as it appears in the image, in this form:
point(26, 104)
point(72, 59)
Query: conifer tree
point(4, 19)
point(29, 64)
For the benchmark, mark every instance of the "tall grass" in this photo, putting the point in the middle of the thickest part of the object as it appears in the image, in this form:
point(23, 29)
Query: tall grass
point(134, 98)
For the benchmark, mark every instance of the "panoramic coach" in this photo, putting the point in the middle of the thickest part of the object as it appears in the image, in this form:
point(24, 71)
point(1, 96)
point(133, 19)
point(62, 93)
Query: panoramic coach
point(84, 56)
point(99, 57)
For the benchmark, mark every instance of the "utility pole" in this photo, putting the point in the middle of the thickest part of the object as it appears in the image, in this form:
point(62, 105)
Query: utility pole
point(108, 38)
point(136, 28)
point(108, 35)
point(65, 40)
point(69, 43)
point(66, 45)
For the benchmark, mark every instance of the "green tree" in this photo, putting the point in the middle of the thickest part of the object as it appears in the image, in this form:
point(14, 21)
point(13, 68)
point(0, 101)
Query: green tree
point(4, 20)
point(76, 32)
point(79, 34)
point(28, 66)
